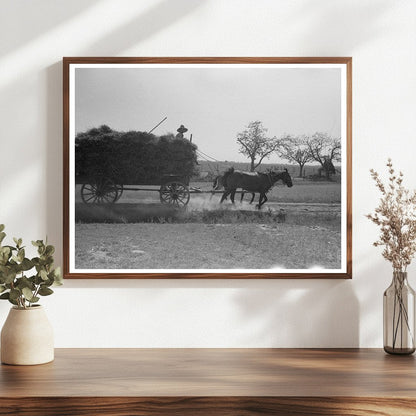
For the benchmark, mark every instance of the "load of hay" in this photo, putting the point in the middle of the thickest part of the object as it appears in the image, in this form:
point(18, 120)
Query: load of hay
point(132, 157)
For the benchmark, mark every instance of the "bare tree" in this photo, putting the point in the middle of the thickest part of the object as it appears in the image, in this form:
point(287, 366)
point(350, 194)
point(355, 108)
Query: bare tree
point(325, 150)
point(295, 149)
point(255, 145)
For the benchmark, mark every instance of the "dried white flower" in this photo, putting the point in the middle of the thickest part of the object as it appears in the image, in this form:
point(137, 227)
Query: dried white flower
point(396, 216)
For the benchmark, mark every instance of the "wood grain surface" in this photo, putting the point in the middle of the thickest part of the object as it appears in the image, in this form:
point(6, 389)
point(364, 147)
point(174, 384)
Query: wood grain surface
point(212, 381)
point(208, 406)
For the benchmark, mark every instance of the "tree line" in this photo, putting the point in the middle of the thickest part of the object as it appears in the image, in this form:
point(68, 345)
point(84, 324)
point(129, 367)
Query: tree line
point(319, 147)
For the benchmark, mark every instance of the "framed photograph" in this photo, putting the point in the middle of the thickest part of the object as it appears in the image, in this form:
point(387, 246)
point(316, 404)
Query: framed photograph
point(207, 167)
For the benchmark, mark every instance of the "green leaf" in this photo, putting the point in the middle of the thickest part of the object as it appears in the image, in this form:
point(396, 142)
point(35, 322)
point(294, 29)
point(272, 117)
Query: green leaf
point(18, 242)
point(14, 267)
point(27, 293)
point(26, 264)
point(13, 302)
point(45, 291)
point(5, 250)
point(7, 296)
point(2, 288)
point(43, 274)
point(47, 260)
point(56, 273)
point(37, 243)
point(49, 250)
point(21, 255)
point(11, 248)
point(58, 280)
point(35, 261)
point(2, 236)
point(47, 283)
point(15, 294)
point(8, 277)
point(2, 227)
point(24, 282)
point(3, 259)
point(38, 280)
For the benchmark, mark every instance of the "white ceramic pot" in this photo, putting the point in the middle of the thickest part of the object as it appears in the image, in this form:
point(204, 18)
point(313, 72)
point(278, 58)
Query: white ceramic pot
point(27, 337)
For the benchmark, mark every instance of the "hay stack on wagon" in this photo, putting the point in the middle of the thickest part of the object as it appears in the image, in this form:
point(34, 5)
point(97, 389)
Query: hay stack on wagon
point(132, 157)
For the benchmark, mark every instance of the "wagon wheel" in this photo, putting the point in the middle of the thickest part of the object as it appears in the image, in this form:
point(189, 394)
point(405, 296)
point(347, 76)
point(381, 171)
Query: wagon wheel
point(100, 190)
point(175, 193)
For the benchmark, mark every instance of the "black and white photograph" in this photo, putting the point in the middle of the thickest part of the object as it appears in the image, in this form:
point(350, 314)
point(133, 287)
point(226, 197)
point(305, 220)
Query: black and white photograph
point(225, 168)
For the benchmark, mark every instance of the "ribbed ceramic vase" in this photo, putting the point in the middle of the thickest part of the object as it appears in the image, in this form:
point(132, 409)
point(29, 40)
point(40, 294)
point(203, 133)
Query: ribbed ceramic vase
point(27, 337)
point(399, 316)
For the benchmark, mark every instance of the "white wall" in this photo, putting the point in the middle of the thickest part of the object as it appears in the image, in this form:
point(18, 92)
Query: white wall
point(380, 35)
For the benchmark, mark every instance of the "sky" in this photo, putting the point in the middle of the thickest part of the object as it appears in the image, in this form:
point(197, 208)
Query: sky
point(214, 103)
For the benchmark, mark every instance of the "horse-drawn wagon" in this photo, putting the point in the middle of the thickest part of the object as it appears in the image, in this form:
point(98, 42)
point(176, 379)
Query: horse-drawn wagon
point(173, 189)
point(109, 163)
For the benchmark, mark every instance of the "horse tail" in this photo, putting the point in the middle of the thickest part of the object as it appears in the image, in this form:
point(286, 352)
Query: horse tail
point(217, 184)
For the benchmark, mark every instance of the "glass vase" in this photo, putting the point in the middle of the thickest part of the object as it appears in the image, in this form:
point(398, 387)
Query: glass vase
point(399, 316)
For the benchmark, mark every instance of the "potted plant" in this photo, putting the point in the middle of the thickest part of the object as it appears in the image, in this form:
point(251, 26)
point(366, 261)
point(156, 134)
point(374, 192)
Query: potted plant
point(396, 217)
point(27, 336)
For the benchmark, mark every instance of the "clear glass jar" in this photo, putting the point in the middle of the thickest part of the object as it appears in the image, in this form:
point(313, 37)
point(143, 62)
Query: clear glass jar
point(399, 316)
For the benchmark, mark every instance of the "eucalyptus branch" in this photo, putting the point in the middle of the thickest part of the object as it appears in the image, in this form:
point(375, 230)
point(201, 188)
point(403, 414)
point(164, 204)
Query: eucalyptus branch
point(17, 285)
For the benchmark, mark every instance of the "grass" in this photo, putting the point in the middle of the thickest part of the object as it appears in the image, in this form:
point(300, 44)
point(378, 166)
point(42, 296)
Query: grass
point(225, 214)
point(307, 192)
point(205, 246)
point(124, 213)
point(158, 213)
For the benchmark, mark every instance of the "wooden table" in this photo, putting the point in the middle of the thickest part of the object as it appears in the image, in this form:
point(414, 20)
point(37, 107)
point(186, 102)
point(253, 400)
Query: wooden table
point(212, 382)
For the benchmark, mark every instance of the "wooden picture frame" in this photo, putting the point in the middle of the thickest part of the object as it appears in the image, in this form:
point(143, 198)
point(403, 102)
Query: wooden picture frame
point(310, 96)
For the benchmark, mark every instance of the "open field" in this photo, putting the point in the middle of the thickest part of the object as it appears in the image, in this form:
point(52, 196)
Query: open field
point(206, 246)
point(297, 228)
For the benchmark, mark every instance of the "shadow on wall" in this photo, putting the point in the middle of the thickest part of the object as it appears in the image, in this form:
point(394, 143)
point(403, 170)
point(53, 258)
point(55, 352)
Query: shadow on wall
point(45, 17)
point(348, 25)
point(4, 311)
point(54, 146)
point(375, 276)
point(157, 18)
point(301, 313)
point(309, 313)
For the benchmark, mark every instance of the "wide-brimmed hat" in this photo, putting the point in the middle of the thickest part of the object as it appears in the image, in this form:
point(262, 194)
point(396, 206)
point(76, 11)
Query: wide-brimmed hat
point(182, 129)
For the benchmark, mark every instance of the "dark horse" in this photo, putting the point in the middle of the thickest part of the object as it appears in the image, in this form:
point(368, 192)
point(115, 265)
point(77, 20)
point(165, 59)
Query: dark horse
point(253, 182)
point(219, 183)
